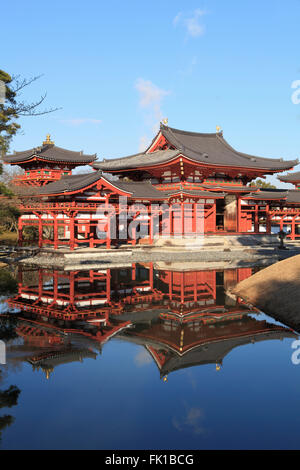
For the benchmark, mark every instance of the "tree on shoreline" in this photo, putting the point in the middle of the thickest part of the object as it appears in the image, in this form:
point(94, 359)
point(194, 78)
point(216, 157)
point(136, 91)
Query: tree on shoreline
point(14, 107)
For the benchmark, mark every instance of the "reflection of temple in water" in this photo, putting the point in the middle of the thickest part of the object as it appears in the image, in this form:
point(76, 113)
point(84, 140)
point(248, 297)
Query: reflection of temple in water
point(182, 318)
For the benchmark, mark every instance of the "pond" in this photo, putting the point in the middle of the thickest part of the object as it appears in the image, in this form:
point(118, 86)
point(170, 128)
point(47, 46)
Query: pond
point(144, 357)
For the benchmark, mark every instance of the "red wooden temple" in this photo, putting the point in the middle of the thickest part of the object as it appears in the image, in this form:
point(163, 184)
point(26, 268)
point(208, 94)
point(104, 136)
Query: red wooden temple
point(186, 184)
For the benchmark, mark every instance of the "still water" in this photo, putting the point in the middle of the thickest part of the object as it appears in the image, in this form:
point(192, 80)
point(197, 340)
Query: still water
point(144, 357)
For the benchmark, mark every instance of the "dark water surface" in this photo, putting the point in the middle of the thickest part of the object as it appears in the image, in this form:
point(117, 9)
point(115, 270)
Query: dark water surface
point(144, 357)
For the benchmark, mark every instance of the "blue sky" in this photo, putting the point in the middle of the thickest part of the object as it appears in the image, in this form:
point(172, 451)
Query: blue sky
point(116, 68)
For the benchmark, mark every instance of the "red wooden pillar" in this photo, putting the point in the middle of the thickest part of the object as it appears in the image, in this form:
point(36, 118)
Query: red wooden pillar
point(239, 221)
point(72, 231)
point(281, 222)
point(20, 231)
point(55, 231)
point(108, 241)
point(194, 217)
point(170, 220)
point(182, 219)
point(40, 231)
point(150, 225)
point(268, 219)
point(91, 233)
point(293, 229)
point(133, 231)
point(256, 221)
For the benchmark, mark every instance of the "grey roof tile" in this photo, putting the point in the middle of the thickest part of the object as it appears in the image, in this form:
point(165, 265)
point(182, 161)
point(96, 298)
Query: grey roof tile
point(50, 152)
point(211, 149)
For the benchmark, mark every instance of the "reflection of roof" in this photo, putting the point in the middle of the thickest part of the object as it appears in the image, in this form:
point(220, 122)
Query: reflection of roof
point(49, 153)
point(184, 346)
point(215, 352)
point(211, 149)
point(61, 356)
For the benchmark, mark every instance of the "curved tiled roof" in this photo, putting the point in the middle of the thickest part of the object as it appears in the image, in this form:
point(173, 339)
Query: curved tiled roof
point(267, 195)
point(290, 177)
point(52, 153)
point(70, 183)
point(139, 159)
point(214, 149)
point(211, 149)
point(136, 190)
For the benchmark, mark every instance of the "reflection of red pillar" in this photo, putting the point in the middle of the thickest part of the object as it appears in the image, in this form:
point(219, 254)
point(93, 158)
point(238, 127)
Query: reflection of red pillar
point(20, 277)
point(108, 278)
point(55, 286)
point(195, 286)
point(170, 284)
point(182, 287)
point(40, 283)
point(133, 272)
point(72, 287)
point(151, 275)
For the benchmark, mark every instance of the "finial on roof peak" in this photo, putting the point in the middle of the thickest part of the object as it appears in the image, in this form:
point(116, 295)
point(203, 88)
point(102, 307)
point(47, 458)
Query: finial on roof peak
point(165, 121)
point(219, 130)
point(48, 141)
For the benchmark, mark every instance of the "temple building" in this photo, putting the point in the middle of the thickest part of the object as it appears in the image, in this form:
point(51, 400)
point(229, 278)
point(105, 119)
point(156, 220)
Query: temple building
point(185, 184)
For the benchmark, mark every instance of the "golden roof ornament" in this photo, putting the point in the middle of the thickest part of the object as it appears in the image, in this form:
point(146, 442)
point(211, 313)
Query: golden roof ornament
point(48, 141)
point(165, 121)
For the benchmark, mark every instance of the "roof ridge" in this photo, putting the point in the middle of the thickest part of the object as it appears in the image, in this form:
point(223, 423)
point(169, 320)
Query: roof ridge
point(249, 156)
point(205, 134)
point(80, 152)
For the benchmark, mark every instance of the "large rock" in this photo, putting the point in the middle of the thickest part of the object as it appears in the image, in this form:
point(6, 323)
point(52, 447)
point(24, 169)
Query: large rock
point(275, 290)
